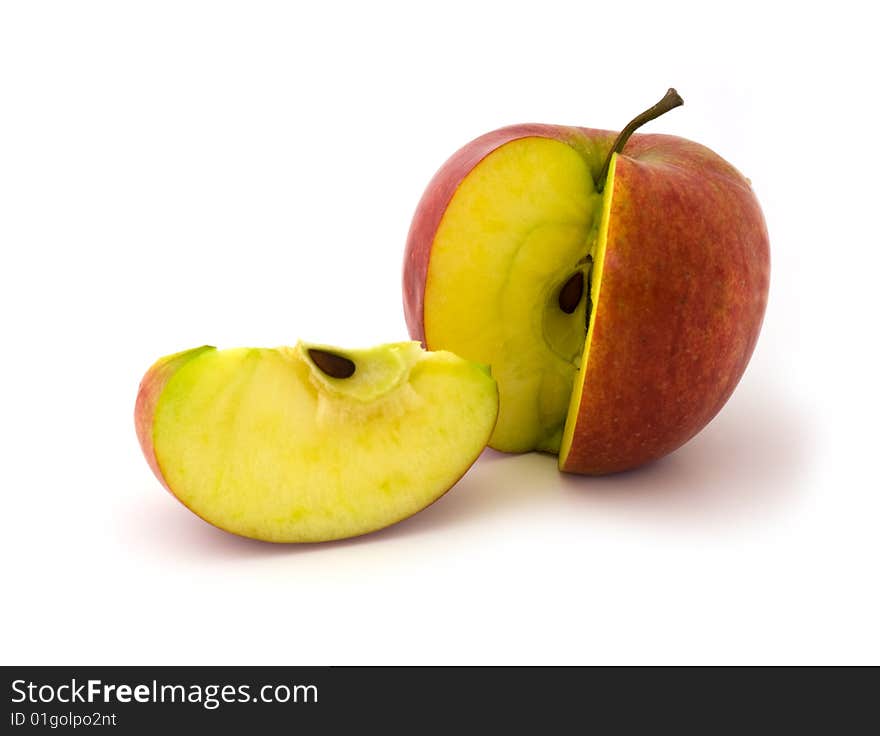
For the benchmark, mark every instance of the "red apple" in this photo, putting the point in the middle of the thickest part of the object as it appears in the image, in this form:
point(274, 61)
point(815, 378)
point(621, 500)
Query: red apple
point(615, 286)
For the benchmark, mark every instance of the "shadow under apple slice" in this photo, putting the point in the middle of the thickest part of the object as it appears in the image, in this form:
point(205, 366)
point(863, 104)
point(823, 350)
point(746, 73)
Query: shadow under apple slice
point(747, 463)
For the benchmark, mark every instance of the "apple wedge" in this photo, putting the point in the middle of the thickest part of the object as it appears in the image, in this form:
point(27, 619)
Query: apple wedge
point(312, 443)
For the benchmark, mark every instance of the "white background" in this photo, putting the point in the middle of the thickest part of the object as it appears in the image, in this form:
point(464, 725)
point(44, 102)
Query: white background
point(178, 173)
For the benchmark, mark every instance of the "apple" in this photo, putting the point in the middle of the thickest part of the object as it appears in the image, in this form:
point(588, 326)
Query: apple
point(312, 443)
point(616, 284)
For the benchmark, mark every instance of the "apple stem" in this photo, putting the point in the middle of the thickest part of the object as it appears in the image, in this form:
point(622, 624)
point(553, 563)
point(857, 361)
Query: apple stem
point(670, 100)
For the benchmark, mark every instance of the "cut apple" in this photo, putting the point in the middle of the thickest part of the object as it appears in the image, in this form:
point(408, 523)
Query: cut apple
point(312, 443)
point(616, 292)
point(509, 265)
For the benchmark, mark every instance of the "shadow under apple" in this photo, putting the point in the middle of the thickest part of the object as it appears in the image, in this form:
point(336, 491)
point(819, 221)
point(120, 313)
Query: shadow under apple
point(746, 463)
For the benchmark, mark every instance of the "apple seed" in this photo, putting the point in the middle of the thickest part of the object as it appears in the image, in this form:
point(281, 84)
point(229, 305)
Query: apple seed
point(335, 366)
point(571, 292)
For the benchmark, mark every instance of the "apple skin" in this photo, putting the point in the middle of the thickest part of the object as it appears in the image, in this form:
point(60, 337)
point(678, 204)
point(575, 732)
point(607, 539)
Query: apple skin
point(680, 303)
point(148, 396)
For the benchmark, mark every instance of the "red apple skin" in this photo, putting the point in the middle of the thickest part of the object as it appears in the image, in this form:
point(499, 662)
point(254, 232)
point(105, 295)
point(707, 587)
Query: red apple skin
point(682, 297)
point(149, 391)
point(681, 302)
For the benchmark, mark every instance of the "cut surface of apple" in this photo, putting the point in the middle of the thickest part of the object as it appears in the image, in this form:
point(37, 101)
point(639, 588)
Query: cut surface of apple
point(528, 214)
point(312, 443)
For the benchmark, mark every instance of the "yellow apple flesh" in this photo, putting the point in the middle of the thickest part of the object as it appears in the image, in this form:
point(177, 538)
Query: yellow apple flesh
point(518, 227)
point(313, 443)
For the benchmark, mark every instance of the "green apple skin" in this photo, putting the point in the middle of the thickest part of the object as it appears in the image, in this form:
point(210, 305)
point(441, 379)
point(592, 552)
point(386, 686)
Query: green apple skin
point(149, 391)
point(677, 310)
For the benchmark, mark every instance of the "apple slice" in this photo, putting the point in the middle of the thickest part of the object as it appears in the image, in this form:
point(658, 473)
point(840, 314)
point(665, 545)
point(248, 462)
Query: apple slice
point(312, 443)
